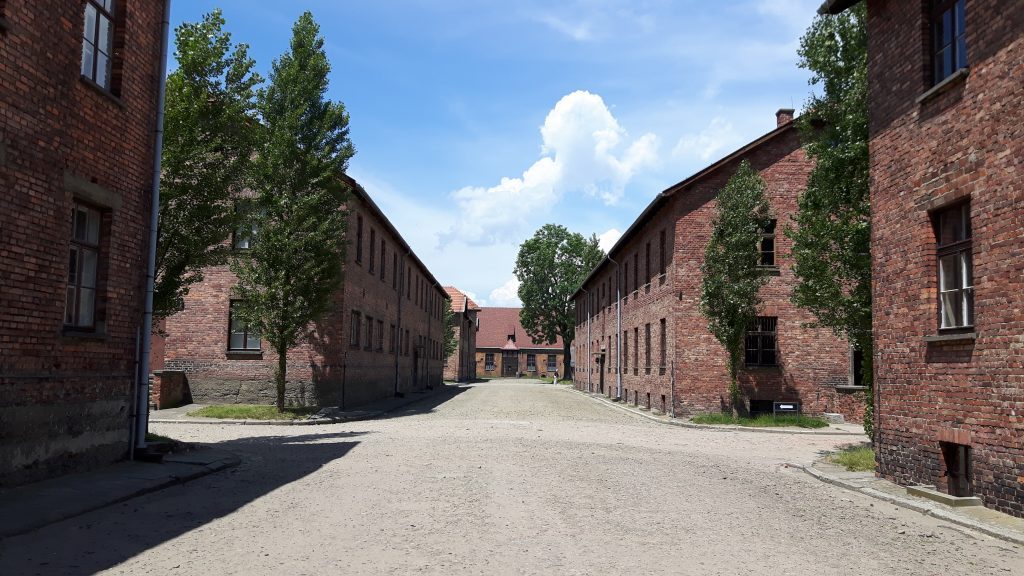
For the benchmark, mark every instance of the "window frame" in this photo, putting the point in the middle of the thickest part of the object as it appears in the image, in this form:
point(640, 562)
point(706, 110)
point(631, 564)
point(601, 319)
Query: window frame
point(552, 363)
point(957, 45)
point(355, 328)
point(963, 248)
point(368, 346)
point(79, 247)
point(762, 329)
point(531, 362)
point(647, 348)
point(245, 229)
point(489, 362)
point(768, 235)
point(104, 10)
point(246, 334)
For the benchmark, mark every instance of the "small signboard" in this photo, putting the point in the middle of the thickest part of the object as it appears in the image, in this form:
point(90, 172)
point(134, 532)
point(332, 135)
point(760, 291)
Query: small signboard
point(785, 408)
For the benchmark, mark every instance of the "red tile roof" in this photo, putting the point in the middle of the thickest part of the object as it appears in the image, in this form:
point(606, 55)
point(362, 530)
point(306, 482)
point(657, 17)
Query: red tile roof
point(496, 324)
point(460, 302)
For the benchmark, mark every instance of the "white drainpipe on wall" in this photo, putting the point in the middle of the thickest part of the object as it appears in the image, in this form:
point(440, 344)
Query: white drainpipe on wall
point(142, 410)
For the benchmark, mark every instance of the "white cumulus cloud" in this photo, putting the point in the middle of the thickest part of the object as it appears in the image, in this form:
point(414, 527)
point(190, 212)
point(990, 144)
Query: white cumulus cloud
point(584, 149)
point(505, 295)
point(718, 134)
point(608, 239)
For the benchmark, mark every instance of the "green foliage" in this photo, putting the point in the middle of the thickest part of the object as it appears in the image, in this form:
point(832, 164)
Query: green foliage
point(254, 412)
point(551, 266)
point(450, 319)
point(209, 140)
point(860, 458)
point(832, 232)
point(762, 421)
point(731, 276)
point(287, 278)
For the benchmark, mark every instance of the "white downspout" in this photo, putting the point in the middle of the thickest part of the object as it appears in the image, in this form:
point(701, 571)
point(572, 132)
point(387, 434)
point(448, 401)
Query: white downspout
point(142, 410)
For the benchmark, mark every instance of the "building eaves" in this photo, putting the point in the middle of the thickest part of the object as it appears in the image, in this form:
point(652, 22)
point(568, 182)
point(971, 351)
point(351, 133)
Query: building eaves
point(663, 196)
point(835, 6)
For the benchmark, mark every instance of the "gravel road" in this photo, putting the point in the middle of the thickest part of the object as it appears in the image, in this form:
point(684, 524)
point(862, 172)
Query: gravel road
point(507, 478)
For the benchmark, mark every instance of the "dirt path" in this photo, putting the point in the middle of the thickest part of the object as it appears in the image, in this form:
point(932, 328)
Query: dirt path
point(507, 478)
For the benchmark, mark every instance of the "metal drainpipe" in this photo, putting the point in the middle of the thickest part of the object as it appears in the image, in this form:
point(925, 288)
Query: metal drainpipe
point(142, 411)
point(618, 330)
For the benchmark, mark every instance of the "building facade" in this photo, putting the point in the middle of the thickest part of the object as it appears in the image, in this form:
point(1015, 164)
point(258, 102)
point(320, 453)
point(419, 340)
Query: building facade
point(79, 85)
point(947, 198)
point(461, 365)
point(505, 350)
point(381, 337)
point(640, 335)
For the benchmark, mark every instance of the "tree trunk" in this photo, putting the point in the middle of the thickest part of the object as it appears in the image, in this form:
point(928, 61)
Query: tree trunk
point(566, 364)
point(280, 376)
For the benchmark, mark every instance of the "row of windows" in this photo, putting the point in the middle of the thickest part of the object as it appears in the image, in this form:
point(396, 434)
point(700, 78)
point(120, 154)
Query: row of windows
point(425, 298)
point(531, 362)
point(373, 337)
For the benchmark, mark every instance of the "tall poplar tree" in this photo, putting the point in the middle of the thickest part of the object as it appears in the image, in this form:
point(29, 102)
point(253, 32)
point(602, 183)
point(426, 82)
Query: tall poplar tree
point(209, 141)
point(551, 266)
point(832, 232)
point(732, 279)
point(287, 278)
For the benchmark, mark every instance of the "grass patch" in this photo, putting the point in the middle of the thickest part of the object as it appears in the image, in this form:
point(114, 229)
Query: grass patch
point(150, 437)
point(859, 458)
point(254, 412)
point(763, 421)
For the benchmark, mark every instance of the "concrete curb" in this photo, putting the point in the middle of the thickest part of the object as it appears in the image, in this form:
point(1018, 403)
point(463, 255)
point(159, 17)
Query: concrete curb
point(718, 427)
point(34, 506)
point(921, 507)
point(358, 415)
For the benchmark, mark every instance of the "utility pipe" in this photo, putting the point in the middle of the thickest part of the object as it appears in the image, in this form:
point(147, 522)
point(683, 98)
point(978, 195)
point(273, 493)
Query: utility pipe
point(142, 411)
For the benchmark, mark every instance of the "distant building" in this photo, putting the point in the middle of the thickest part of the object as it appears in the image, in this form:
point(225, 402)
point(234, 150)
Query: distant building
point(461, 365)
point(505, 350)
point(382, 335)
point(946, 102)
point(638, 316)
point(79, 85)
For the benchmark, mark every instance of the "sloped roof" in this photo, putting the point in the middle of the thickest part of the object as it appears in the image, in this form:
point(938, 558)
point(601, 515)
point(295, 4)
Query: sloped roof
point(496, 324)
point(460, 301)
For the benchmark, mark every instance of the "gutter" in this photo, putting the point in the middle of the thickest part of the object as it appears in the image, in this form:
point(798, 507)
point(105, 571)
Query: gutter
point(142, 387)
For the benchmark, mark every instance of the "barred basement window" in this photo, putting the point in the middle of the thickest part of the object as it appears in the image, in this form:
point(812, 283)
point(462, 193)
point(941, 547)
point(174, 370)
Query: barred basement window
point(83, 268)
point(240, 337)
point(955, 266)
point(761, 342)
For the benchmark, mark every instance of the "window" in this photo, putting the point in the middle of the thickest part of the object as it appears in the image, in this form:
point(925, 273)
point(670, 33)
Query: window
point(636, 351)
point(663, 337)
point(767, 245)
point(949, 41)
point(531, 362)
point(83, 267)
point(760, 342)
point(552, 363)
point(391, 339)
point(406, 342)
point(380, 335)
point(245, 233)
point(956, 276)
point(625, 279)
point(373, 253)
point(369, 333)
point(354, 329)
point(408, 283)
point(489, 362)
point(647, 348)
point(239, 335)
point(636, 271)
point(625, 351)
point(661, 255)
point(394, 272)
point(97, 41)
point(647, 263)
point(359, 239)
point(383, 251)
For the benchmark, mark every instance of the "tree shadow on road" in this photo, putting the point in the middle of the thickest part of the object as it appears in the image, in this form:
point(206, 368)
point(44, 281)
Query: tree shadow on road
point(105, 538)
point(428, 404)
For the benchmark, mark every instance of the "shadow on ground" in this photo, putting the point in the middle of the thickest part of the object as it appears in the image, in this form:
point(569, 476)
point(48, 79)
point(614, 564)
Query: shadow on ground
point(107, 537)
point(428, 404)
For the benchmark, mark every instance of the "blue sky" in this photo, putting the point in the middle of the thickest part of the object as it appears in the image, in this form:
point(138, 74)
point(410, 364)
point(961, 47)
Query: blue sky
point(476, 122)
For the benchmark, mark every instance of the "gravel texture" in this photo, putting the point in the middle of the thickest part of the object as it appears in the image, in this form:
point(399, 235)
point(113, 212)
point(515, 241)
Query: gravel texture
point(507, 478)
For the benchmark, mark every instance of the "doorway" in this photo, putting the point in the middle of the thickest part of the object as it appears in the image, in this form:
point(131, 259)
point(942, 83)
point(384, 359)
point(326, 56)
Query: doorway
point(509, 364)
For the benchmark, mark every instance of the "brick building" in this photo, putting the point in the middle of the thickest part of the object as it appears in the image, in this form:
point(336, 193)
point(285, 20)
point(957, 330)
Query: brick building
point(638, 317)
point(947, 195)
point(381, 337)
point(461, 365)
point(79, 83)
point(504, 349)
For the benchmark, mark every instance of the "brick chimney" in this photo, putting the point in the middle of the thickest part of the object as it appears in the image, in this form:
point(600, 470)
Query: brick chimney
point(783, 116)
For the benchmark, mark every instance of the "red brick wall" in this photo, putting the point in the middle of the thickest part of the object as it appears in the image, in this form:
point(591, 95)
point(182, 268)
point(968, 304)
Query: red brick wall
point(324, 369)
point(812, 362)
point(461, 365)
point(964, 144)
point(66, 399)
point(541, 362)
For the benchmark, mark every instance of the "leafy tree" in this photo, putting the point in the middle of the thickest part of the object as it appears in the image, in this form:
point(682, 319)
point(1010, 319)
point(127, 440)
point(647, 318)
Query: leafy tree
point(287, 278)
point(550, 267)
point(450, 341)
point(832, 233)
point(729, 296)
point(209, 141)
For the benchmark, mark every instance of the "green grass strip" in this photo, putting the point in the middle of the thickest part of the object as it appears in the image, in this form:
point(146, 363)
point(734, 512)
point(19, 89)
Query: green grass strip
point(254, 412)
point(763, 421)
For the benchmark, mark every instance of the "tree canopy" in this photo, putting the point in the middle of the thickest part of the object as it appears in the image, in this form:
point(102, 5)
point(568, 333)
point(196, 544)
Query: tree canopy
point(550, 267)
